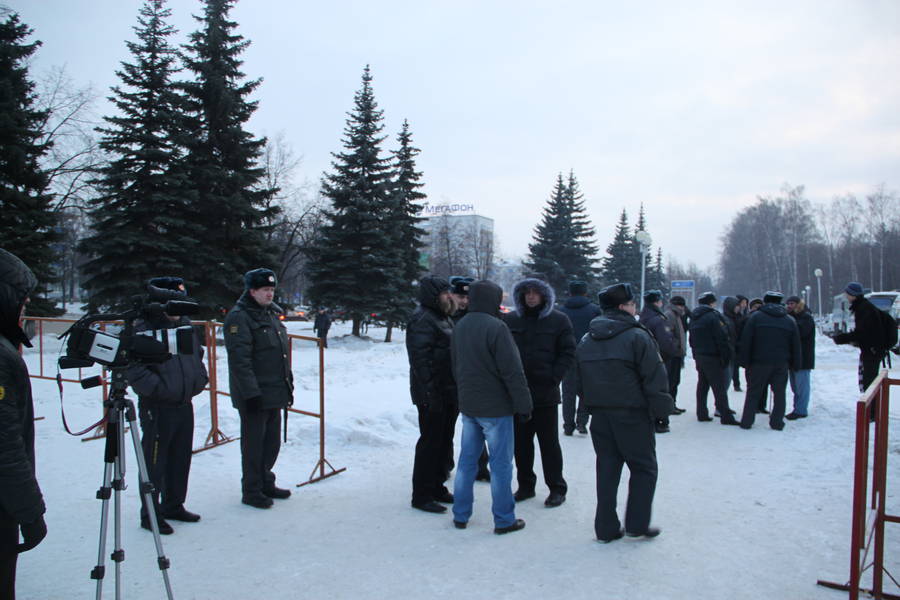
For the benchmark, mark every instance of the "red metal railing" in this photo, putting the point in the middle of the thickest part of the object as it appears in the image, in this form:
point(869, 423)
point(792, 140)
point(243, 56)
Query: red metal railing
point(867, 526)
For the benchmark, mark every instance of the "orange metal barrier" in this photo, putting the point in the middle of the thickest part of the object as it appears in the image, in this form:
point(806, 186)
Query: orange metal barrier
point(867, 527)
point(215, 437)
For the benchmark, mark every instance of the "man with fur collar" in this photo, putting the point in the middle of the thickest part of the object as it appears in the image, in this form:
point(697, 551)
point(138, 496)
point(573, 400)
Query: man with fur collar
point(546, 345)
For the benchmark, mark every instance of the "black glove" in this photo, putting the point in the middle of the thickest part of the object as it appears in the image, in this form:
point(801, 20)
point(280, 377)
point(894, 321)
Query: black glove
point(253, 404)
point(32, 533)
point(523, 417)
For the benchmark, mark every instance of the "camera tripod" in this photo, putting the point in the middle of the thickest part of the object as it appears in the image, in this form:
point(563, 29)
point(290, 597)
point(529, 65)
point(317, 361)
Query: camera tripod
point(120, 409)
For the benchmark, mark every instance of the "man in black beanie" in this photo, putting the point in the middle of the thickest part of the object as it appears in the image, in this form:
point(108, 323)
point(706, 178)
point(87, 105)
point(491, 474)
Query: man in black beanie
point(165, 391)
point(581, 311)
point(261, 383)
point(712, 357)
point(625, 388)
point(867, 334)
point(769, 348)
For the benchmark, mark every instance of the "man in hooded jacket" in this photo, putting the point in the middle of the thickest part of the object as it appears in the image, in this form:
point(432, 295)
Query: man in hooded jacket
point(769, 348)
point(625, 386)
point(712, 357)
point(581, 311)
point(433, 391)
point(21, 502)
point(544, 338)
point(261, 383)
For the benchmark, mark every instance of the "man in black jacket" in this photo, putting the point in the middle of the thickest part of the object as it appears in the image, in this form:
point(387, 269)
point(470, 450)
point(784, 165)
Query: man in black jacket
point(21, 502)
point(321, 325)
point(801, 379)
point(581, 311)
point(547, 347)
point(433, 391)
point(676, 316)
point(656, 322)
point(492, 388)
point(712, 357)
point(625, 387)
point(261, 383)
point(866, 334)
point(769, 347)
point(164, 394)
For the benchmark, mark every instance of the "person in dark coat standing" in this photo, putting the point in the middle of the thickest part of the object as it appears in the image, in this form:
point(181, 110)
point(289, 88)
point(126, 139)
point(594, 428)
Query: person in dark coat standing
point(625, 387)
point(492, 389)
point(656, 322)
point(261, 382)
point(865, 335)
point(801, 380)
point(581, 311)
point(165, 391)
point(21, 502)
point(433, 391)
point(675, 314)
point(712, 357)
point(547, 347)
point(321, 325)
point(731, 310)
point(769, 348)
point(741, 313)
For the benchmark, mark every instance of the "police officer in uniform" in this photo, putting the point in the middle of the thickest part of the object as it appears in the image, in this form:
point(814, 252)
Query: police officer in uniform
point(261, 382)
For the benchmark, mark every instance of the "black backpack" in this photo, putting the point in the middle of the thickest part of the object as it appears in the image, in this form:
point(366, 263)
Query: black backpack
point(887, 331)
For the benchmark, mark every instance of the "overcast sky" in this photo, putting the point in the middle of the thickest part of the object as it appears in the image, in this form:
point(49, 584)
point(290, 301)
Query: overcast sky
point(693, 108)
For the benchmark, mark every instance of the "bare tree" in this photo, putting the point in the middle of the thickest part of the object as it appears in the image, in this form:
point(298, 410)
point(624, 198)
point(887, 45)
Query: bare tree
point(881, 211)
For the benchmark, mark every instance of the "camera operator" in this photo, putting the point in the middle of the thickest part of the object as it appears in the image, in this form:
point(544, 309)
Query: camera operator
point(21, 503)
point(261, 383)
point(164, 394)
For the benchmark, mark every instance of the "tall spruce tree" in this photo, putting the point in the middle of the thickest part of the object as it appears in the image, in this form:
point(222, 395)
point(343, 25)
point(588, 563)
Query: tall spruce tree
point(28, 223)
point(226, 193)
point(355, 265)
point(405, 196)
point(563, 247)
point(140, 225)
point(620, 264)
point(656, 275)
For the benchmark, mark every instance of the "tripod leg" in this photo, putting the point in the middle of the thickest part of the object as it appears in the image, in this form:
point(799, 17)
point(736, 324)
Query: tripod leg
point(118, 486)
point(146, 488)
point(103, 494)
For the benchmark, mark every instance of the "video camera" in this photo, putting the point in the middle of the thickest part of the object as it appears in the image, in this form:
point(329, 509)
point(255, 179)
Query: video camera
point(87, 344)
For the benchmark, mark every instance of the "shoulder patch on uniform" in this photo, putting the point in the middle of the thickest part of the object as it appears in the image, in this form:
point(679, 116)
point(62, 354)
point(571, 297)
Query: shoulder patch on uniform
point(233, 329)
point(2, 392)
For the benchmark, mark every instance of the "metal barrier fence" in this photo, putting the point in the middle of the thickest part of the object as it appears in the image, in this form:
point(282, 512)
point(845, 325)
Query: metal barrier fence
point(215, 437)
point(867, 527)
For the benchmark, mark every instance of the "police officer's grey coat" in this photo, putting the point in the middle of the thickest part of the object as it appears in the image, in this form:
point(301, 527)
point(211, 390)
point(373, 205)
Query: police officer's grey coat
point(258, 355)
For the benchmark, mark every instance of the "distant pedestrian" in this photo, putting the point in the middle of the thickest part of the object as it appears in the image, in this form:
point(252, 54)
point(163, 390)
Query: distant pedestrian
point(712, 357)
point(547, 347)
point(676, 312)
point(769, 348)
point(492, 389)
point(801, 380)
point(322, 324)
point(581, 311)
point(655, 320)
point(731, 310)
point(625, 387)
point(433, 391)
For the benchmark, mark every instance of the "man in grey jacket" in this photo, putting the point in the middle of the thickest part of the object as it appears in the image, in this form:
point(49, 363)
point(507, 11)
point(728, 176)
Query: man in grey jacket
point(491, 388)
point(625, 386)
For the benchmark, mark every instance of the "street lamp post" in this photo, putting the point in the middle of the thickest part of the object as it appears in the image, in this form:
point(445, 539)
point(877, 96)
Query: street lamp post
point(818, 274)
point(643, 238)
point(806, 298)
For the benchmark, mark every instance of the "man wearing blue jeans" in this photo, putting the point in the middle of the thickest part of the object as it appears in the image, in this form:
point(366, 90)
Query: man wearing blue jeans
point(800, 379)
point(491, 388)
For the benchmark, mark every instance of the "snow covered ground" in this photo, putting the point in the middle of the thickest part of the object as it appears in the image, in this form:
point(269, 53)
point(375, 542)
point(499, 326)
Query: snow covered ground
point(744, 514)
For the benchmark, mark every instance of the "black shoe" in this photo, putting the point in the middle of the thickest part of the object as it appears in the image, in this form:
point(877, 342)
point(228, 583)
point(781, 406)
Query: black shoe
point(523, 495)
point(443, 495)
point(519, 524)
point(616, 536)
point(257, 501)
point(737, 388)
point(731, 421)
point(651, 532)
point(704, 419)
point(794, 416)
point(777, 427)
point(276, 492)
point(746, 426)
point(164, 528)
point(430, 506)
point(582, 429)
point(459, 524)
point(661, 427)
point(568, 431)
point(554, 499)
point(483, 475)
point(730, 411)
point(678, 411)
point(181, 514)
point(762, 411)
